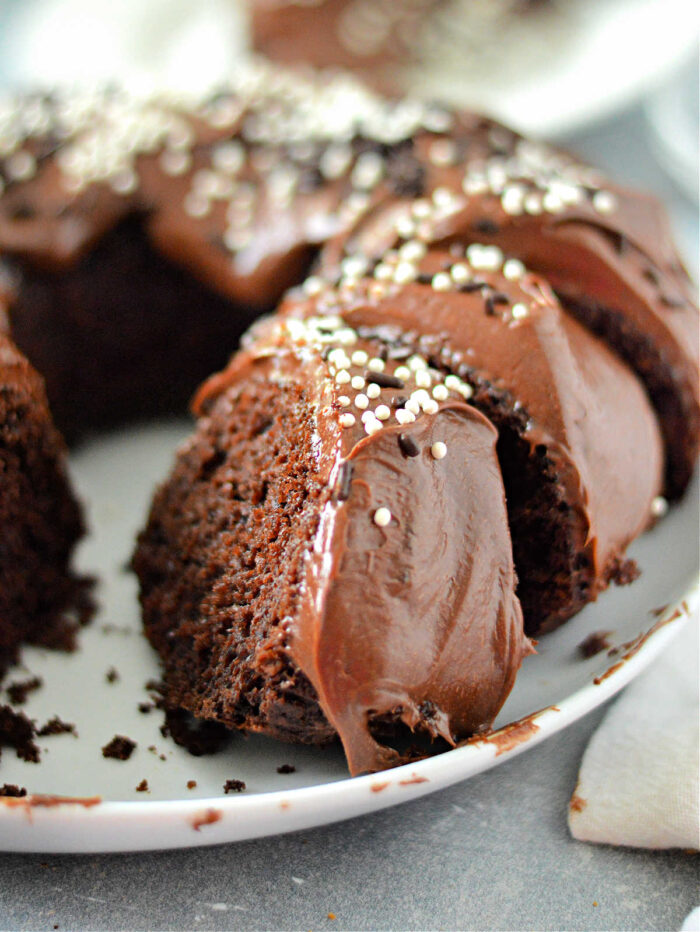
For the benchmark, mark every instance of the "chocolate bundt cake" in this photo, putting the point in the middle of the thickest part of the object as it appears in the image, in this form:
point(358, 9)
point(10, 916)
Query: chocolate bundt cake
point(138, 241)
point(41, 599)
point(381, 41)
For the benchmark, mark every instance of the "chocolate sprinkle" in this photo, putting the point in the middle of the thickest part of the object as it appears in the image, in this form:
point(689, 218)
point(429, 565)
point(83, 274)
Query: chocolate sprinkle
point(384, 380)
point(408, 445)
point(486, 226)
point(344, 481)
point(670, 301)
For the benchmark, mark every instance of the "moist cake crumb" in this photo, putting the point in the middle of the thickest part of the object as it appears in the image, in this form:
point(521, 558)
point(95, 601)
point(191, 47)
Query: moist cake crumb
point(55, 726)
point(234, 786)
point(286, 768)
point(11, 789)
point(191, 784)
point(594, 643)
point(17, 692)
point(119, 748)
point(112, 675)
point(18, 731)
point(145, 707)
point(143, 787)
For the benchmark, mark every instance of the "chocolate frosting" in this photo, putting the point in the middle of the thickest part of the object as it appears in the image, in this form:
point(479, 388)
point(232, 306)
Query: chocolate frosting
point(243, 188)
point(579, 400)
point(414, 620)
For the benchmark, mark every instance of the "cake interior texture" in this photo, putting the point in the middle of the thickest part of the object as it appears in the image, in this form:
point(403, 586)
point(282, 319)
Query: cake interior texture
point(41, 598)
point(221, 563)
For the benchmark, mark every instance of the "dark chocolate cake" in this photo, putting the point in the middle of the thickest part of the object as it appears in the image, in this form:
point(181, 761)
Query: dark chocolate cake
point(41, 599)
point(306, 522)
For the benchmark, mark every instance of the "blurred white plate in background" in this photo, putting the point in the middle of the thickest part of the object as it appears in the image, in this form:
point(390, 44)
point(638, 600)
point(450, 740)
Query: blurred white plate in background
point(589, 59)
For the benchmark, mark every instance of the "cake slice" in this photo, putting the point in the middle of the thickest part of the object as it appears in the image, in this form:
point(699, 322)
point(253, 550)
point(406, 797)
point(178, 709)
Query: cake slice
point(305, 573)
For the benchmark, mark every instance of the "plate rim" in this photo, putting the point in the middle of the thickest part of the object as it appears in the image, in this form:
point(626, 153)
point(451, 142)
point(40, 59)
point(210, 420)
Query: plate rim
point(59, 825)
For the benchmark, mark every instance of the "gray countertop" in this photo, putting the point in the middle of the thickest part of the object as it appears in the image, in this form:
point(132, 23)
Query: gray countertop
point(490, 853)
point(493, 852)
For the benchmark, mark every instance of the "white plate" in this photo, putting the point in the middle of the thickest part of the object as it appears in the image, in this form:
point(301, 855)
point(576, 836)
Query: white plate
point(115, 476)
point(553, 73)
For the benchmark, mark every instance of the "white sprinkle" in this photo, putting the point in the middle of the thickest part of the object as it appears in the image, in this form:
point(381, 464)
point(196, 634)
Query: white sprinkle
point(21, 166)
point(489, 258)
point(405, 227)
point(175, 163)
point(359, 358)
point(475, 184)
point(347, 419)
point(402, 372)
point(342, 377)
point(440, 393)
point(354, 266)
point(421, 209)
point(512, 200)
point(126, 182)
point(368, 170)
point(553, 203)
point(372, 426)
point(312, 286)
point(343, 401)
point(383, 272)
point(373, 390)
point(405, 272)
point(423, 379)
point(420, 396)
point(453, 381)
point(513, 269)
point(361, 402)
point(334, 161)
point(403, 416)
point(196, 206)
point(430, 406)
point(441, 282)
point(438, 450)
point(367, 416)
point(518, 311)
point(382, 517)
point(339, 358)
point(466, 391)
point(375, 364)
point(533, 204)
point(460, 273)
point(415, 363)
point(357, 382)
point(413, 406)
point(383, 413)
point(604, 202)
point(346, 336)
point(413, 251)
point(228, 157)
point(659, 506)
point(443, 152)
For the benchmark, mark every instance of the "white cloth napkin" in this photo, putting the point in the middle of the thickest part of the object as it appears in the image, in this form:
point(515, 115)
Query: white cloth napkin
point(638, 782)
